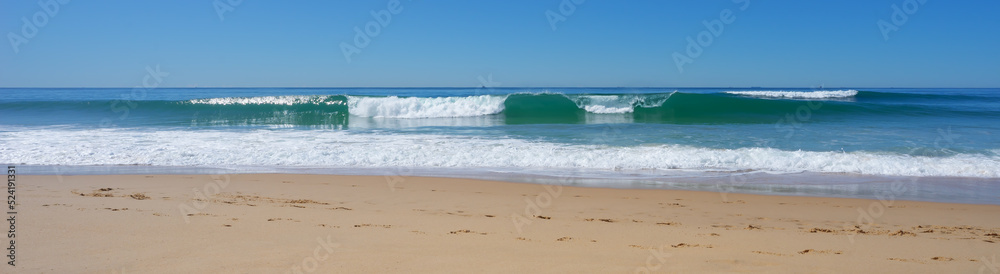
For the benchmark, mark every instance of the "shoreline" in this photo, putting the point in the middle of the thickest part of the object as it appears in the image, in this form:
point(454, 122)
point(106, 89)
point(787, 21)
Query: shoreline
point(964, 190)
point(337, 223)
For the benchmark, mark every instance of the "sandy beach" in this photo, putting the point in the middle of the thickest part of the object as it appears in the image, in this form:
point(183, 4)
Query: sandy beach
point(267, 223)
point(563, 136)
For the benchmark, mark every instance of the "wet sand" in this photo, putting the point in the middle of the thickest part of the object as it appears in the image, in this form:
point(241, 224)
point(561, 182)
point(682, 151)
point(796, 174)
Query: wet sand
point(287, 223)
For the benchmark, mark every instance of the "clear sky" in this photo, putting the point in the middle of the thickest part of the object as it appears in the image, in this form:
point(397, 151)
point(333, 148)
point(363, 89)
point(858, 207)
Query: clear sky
point(601, 43)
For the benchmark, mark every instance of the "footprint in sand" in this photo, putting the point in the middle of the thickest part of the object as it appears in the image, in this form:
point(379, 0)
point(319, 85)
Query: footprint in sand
point(768, 253)
point(903, 233)
point(103, 192)
point(902, 260)
point(943, 259)
point(820, 230)
point(813, 251)
point(466, 231)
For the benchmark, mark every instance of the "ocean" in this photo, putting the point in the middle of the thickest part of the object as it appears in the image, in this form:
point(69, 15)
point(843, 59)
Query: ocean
point(940, 144)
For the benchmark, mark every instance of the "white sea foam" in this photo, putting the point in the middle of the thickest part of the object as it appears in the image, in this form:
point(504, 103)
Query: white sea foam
point(822, 94)
point(617, 103)
point(604, 104)
point(268, 100)
point(602, 109)
point(439, 107)
point(345, 150)
point(420, 107)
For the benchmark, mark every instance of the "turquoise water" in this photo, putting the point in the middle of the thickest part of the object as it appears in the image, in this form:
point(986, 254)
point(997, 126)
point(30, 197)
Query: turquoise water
point(608, 133)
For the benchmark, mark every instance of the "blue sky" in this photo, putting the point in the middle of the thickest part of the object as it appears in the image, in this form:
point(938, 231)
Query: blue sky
point(455, 43)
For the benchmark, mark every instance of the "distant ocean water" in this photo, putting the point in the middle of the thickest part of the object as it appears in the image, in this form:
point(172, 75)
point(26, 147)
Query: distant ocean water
point(944, 135)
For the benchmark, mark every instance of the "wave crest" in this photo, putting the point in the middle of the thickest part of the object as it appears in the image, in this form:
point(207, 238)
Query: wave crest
point(602, 104)
point(822, 94)
point(420, 107)
point(272, 100)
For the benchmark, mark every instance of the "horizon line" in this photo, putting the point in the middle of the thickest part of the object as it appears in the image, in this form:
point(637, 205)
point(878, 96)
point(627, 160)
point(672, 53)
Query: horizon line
point(456, 87)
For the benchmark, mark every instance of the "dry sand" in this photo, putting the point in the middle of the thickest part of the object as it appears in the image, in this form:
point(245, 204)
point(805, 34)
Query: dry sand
point(346, 224)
